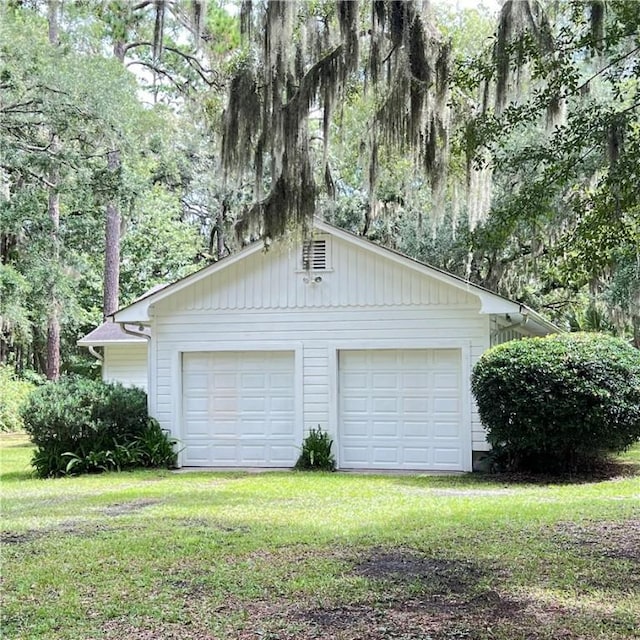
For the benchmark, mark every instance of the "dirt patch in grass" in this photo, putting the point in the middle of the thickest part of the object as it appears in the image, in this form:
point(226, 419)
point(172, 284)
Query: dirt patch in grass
point(416, 619)
point(124, 508)
point(11, 537)
point(602, 471)
point(70, 527)
point(490, 617)
point(617, 540)
point(153, 630)
point(410, 596)
point(403, 566)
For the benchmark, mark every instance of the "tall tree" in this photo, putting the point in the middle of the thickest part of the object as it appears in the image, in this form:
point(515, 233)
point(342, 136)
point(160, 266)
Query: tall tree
point(53, 207)
point(298, 64)
point(128, 27)
point(62, 112)
point(560, 121)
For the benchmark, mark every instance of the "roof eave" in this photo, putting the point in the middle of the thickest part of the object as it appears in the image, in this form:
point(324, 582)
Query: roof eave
point(108, 343)
point(138, 312)
point(490, 302)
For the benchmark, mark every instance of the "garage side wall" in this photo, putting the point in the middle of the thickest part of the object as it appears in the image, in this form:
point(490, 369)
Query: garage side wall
point(267, 302)
point(126, 363)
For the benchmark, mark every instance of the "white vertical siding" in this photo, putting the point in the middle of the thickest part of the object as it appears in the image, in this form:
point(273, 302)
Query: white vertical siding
point(126, 363)
point(319, 333)
point(357, 277)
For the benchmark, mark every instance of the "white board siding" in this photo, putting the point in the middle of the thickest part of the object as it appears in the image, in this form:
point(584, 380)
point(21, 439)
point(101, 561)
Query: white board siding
point(321, 335)
point(239, 409)
point(126, 363)
point(357, 277)
point(401, 409)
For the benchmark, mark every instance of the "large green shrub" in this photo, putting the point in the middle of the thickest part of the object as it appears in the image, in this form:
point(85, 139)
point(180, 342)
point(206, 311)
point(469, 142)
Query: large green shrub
point(80, 425)
point(561, 402)
point(13, 394)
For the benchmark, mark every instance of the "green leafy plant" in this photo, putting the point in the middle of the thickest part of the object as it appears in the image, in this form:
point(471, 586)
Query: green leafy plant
point(13, 394)
point(155, 446)
point(93, 462)
point(316, 452)
point(559, 403)
point(87, 426)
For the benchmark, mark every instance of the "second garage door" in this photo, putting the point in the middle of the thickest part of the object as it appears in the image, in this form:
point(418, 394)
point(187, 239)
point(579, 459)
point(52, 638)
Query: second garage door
point(401, 409)
point(238, 409)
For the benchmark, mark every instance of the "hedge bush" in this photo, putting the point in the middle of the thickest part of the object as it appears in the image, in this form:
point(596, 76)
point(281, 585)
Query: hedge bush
point(13, 394)
point(80, 425)
point(559, 403)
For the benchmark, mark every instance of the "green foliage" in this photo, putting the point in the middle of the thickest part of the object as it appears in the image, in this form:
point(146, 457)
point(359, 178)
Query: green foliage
point(155, 447)
point(316, 452)
point(158, 247)
point(64, 108)
point(152, 448)
point(555, 98)
point(561, 402)
point(13, 394)
point(80, 425)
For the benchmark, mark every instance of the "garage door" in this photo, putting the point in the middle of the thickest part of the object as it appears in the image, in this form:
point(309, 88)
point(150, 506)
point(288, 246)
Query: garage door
point(238, 409)
point(401, 409)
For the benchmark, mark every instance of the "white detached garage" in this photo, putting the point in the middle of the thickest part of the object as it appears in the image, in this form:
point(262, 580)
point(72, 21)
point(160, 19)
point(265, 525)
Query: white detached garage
point(249, 353)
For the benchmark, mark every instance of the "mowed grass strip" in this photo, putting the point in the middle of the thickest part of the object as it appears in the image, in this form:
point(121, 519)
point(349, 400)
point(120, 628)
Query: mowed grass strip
point(155, 555)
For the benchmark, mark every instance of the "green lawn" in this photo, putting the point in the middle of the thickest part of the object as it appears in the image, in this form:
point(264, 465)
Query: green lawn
point(159, 555)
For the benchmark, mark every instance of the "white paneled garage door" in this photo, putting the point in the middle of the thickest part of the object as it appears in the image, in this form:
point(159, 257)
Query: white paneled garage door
point(401, 409)
point(239, 409)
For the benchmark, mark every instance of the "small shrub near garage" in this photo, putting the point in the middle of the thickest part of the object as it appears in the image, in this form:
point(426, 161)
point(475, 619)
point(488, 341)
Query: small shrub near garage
point(559, 403)
point(316, 452)
point(14, 392)
point(82, 426)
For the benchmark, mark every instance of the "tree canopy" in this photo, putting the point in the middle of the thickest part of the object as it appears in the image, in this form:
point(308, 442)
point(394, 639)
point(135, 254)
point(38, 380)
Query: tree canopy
point(141, 140)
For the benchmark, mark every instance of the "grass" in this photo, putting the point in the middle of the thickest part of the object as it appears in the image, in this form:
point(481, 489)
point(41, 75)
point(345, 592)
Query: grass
point(157, 555)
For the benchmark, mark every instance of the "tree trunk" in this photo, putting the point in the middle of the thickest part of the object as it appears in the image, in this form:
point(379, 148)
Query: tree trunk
point(53, 343)
point(52, 17)
point(112, 247)
point(53, 321)
point(111, 287)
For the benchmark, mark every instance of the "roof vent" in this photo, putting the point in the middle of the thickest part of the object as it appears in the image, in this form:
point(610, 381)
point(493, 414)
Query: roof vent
point(314, 255)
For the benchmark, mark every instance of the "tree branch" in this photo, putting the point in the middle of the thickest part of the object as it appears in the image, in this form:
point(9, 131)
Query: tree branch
point(140, 43)
point(23, 146)
point(156, 69)
point(194, 63)
point(17, 107)
point(613, 63)
point(33, 174)
point(142, 5)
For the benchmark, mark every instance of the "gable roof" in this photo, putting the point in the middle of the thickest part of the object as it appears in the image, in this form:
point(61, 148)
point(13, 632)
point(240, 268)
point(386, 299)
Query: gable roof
point(491, 303)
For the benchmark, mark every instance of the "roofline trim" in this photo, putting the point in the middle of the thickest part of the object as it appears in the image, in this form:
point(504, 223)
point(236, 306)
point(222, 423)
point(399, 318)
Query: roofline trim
point(491, 303)
point(106, 343)
point(146, 301)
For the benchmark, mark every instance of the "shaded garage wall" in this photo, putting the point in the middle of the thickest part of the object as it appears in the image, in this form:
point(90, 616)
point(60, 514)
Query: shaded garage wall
point(126, 363)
